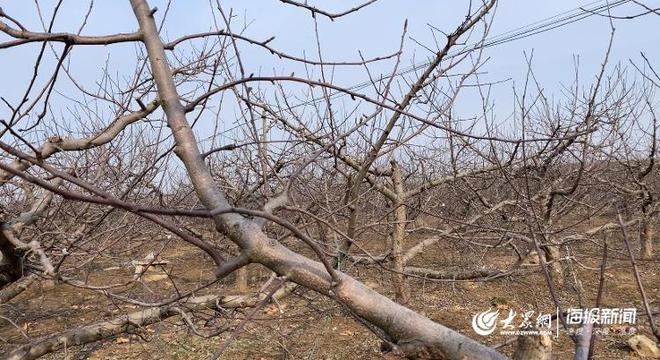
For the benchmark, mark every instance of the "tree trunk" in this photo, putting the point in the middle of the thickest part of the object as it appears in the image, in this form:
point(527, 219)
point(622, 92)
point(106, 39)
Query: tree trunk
point(646, 237)
point(553, 256)
point(11, 268)
point(242, 277)
point(414, 334)
point(398, 236)
point(583, 342)
point(350, 201)
point(533, 348)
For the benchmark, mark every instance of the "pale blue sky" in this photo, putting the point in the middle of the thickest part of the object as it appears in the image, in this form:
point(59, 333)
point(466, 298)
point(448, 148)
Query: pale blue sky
point(375, 31)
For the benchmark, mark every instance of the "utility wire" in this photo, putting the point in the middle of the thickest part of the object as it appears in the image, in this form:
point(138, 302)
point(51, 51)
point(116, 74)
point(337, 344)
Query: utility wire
point(535, 28)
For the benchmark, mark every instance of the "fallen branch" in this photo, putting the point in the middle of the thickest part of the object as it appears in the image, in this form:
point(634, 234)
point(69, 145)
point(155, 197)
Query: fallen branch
point(125, 323)
point(453, 274)
point(12, 290)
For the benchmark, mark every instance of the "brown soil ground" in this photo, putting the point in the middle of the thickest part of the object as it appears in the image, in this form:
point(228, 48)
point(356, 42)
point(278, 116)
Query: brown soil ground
point(306, 325)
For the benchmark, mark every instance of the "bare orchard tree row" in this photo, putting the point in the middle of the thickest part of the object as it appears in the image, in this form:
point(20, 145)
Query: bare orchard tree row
point(190, 150)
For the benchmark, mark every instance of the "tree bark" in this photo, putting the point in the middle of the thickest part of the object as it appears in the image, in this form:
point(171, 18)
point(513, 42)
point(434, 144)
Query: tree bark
point(646, 237)
point(583, 342)
point(533, 348)
point(398, 235)
point(11, 268)
point(242, 279)
point(14, 289)
point(452, 275)
point(351, 201)
point(553, 256)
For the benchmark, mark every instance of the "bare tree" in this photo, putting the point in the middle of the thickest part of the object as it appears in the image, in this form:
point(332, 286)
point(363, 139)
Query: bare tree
point(290, 197)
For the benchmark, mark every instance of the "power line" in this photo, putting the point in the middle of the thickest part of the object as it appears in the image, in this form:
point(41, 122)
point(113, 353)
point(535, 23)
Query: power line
point(531, 29)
